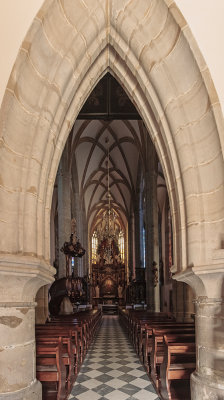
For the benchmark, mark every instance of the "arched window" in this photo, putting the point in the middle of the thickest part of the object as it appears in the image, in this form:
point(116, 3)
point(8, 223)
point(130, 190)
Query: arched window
point(121, 245)
point(94, 247)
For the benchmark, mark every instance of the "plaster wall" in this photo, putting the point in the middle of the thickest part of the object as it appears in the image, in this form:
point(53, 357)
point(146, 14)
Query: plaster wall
point(205, 18)
point(15, 20)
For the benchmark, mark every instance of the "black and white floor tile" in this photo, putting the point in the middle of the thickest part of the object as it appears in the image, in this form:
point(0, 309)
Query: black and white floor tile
point(111, 370)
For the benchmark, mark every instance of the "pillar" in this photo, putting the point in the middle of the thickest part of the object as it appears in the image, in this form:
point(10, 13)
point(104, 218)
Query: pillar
point(207, 382)
point(42, 305)
point(189, 308)
point(64, 207)
point(78, 212)
point(183, 301)
point(20, 278)
point(151, 233)
point(137, 236)
point(130, 248)
point(85, 244)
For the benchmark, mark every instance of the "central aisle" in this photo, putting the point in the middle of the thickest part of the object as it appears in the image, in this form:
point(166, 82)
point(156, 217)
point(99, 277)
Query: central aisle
point(111, 369)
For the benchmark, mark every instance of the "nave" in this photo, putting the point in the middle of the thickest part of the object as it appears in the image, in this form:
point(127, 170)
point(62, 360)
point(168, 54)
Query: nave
point(111, 369)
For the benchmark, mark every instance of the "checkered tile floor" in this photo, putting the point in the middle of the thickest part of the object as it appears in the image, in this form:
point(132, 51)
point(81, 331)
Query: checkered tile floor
point(111, 370)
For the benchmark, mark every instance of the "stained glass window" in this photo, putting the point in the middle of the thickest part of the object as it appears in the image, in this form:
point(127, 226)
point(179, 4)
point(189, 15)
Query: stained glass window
point(121, 245)
point(94, 247)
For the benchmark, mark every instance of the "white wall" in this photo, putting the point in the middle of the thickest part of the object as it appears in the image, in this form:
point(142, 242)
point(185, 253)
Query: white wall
point(205, 18)
point(16, 17)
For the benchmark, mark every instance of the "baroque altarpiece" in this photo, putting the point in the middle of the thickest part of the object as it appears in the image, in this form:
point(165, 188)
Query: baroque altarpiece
point(108, 274)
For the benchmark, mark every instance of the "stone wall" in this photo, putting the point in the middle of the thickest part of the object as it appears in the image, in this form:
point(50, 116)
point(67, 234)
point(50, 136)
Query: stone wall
point(148, 47)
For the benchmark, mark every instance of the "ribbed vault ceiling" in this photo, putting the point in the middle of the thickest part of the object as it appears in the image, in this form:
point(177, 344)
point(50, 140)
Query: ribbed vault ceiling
point(124, 139)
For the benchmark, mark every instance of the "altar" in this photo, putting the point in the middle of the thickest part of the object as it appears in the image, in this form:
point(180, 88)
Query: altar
point(108, 283)
point(97, 301)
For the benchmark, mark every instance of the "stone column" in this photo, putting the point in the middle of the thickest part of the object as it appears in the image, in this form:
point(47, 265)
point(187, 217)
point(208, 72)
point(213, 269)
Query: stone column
point(133, 248)
point(178, 300)
point(64, 208)
point(152, 234)
point(130, 247)
point(183, 302)
point(82, 234)
point(207, 382)
point(20, 278)
point(42, 305)
point(137, 237)
point(189, 308)
point(85, 244)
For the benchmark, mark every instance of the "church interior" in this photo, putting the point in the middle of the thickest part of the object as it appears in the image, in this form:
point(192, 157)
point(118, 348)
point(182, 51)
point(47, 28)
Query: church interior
point(111, 207)
point(110, 194)
point(112, 237)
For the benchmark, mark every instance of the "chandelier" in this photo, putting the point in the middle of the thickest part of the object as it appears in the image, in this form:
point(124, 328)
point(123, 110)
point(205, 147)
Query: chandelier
point(109, 216)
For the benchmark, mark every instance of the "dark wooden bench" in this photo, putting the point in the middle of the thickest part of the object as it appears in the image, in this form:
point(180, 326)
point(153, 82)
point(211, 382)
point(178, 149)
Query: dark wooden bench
point(176, 368)
point(51, 371)
point(145, 332)
point(45, 338)
point(76, 332)
point(89, 320)
point(66, 331)
point(137, 319)
point(169, 326)
point(176, 335)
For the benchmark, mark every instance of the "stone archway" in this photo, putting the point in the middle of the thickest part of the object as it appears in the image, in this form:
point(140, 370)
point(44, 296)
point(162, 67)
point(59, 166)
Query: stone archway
point(148, 47)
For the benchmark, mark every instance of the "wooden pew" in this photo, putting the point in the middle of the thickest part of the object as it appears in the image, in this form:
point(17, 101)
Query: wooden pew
point(176, 335)
point(147, 348)
point(135, 322)
point(79, 334)
point(44, 338)
point(76, 332)
point(83, 328)
point(51, 371)
point(143, 327)
point(66, 331)
point(89, 321)
point(136, 319)
point(175, 370)
point(143, 333)
point(123, 317)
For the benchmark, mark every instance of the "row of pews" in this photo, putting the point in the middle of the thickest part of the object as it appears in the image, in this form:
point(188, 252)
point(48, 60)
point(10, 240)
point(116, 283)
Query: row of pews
point(165, 347)
point(61, 346)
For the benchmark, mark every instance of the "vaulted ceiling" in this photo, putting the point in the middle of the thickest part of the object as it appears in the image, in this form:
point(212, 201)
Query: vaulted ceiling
point(109, 127)
point(93, 141)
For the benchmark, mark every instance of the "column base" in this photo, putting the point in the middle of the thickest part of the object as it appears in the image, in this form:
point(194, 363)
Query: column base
point(205, 388)
point(34, 392)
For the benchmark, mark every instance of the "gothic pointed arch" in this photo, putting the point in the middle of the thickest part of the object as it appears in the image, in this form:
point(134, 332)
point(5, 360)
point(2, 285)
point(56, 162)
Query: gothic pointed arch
point(148, 47)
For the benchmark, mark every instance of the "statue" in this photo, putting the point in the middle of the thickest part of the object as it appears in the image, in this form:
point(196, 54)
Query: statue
point(66, 307)
point(97, 291)
point(120, 291)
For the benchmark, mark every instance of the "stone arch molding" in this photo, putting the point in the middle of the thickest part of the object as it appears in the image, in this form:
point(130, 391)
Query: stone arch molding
point(148, 47)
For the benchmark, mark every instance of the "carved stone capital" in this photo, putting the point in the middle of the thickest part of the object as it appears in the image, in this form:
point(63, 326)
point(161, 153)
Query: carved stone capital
point(205, 280)
point(22, 276)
